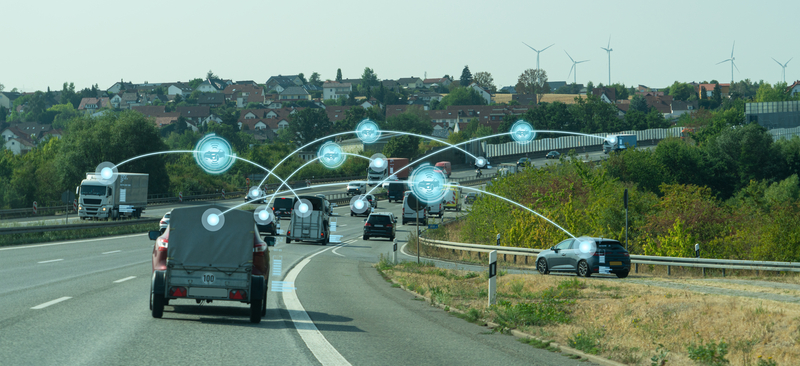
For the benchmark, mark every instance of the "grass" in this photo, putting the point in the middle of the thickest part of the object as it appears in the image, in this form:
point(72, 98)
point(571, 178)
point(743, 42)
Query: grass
point(29, 238)
point(627, 322)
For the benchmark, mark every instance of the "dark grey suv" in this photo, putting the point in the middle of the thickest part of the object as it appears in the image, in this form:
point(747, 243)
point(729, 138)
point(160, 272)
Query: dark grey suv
point(380, 224)
point(584, 256)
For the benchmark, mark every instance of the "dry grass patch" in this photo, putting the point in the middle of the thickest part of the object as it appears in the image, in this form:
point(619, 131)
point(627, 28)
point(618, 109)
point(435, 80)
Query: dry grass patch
point(623, 321)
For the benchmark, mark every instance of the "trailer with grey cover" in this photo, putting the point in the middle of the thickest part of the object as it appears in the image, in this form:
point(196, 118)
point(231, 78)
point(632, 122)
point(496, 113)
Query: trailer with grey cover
point(207, 265)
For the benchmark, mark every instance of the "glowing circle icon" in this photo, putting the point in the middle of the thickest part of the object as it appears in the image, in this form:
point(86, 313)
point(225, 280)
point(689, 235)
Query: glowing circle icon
point(330, 155)
point(428, 184)
point(263, 215)
point(586, 246)
point(368, 131)
point(480, 162)
point(303, 208)
point(214, 155)
point(522, 132)
point(213, 219)
point(378, 163)
point(359, 204)
point(106, 172)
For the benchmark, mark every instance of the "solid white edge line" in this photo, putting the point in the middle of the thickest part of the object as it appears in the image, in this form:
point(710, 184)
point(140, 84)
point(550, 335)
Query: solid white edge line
point(337, 248)
point(70, 242)
point(125, 279)
point(113, 251)
point(315, 341)
point(56, 301)
point(51, 261)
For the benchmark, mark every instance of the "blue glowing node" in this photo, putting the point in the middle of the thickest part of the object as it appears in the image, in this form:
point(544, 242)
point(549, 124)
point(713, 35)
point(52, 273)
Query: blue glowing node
point(428, 184)
point(586, 246)
point(106, 172)
point(368, 131)
point(214, 154)
point(263, 215)
point(330, 155)
point(213, 219)
point(522, 132)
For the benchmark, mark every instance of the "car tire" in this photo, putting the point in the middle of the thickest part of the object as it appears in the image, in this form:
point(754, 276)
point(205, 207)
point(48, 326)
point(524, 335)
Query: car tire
point(365, 237)
point(288, 240)
point(622, 274)
point(583, 269)
point(264, 302)
point(255, 311)
point(541, 266)
point(158, 306)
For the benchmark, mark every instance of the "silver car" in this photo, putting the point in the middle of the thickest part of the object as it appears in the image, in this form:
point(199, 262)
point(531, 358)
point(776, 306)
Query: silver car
point(164, 223)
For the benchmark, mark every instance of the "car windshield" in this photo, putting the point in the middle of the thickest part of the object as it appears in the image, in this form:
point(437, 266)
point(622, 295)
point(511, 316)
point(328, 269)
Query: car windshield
point(283, 203)
point(87, 190)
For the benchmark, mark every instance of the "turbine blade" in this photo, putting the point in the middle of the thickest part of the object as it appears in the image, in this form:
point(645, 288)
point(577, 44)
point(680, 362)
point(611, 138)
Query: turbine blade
point(609, 42)
point(787, 62)
point(529, 46)
point(547, 47)
point(773, 59)
point(734, 65)
point(734, 45)
point(581, 61)
point(570, 57)
point(722, 61)
point(570, 71)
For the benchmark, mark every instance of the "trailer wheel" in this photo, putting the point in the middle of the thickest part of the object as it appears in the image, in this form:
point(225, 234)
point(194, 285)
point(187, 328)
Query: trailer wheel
point(158, 305)
point(288, 240)
point(264, 303)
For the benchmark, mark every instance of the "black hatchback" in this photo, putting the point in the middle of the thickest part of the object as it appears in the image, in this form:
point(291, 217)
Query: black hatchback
point(380, 224)
point(282, 207)
point(584, 256)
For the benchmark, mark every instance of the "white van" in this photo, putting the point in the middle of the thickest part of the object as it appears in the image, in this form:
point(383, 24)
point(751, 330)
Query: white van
point(436, 209)
point(410, 214)
point(356, 187)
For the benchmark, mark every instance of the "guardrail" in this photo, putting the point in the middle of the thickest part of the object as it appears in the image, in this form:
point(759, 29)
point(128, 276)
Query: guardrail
point(635, 259)
point(81, 226)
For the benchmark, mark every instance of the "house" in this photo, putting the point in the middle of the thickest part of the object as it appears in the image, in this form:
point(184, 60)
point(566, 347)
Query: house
point(427, 97)
point(334, 90)
point(119, 86)
point(57, 133)
point(115, 101)
point(608, 95)
point(262, 135)
point(554, 85)
point(7, 99)
point(411, 83)
point(295, 93)
point(662, 104)
point(211, 99)
point(19, 145)
point(194, 113)
point(179, 89)
point(129, 100)
point(282, 82)
point(211, 86)
point(390, 84)
point(508, 89)
point(211, 118)
point(244, 94)
point(91, 105)
point(679, 107)
point(246, 82)
point(437, 81)
point(794, 88)
point(28, 130)
point(11, 132)
point(336, 113)
point(164, 121)
point(483, 92)
point(709, 88)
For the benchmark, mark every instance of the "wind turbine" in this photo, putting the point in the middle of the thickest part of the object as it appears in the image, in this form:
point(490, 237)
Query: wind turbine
point(783, 66)
point(574, 66)
point(608, 50)
point(733, 64)
point(538, 52)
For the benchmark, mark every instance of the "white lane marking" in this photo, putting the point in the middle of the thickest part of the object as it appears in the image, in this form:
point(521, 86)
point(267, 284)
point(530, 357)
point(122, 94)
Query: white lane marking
point(51, 261)
point(56, 301)
point(72, 242)
point(113, 251)
point(125, 279)
point(315, 341)
point(337, 248)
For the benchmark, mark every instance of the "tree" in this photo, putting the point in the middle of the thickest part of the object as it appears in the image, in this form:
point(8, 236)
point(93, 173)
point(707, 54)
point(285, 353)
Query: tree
point(768, 93)
point(338, 75)
point(2, 87)
point(533, 81)
point(466, 77)
point(716, 95)
point(314, 79)
point(485, 80)
point(681, 91)
point(413, 120)
point(194, 83)
point(461, 96)
point(369, 79)
point(210, 75)
point(638, 103)
point(403, 146)
point(622, 92)
point(589, 87)
point(302, 78)
point(309, 124)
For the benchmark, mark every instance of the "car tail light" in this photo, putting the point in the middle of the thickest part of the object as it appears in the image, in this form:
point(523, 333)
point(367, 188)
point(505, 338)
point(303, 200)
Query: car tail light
point(367, 224)
point(237, 295)
point(322, 235)
point(161, 244)
point(259, 246)
point(162, 222)
point(177, 291)
point(626, 254)
point(388, 225)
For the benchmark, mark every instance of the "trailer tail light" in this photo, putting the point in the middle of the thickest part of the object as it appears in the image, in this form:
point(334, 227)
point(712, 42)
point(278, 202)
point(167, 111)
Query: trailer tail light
point(161, 244)
point(177, 291)
point(237, 295)
point(322, 235)
point(288, 233)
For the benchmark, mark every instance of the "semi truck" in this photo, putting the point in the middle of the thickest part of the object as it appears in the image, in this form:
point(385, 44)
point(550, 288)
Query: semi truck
point(374, 177)
point(125, 197)
point(618, 143)
point(396, 166)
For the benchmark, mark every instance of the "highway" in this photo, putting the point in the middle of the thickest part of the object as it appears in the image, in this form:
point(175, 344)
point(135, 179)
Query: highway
point(86, 302)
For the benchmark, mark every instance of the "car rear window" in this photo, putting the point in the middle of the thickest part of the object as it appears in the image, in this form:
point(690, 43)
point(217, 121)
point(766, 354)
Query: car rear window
point(610, 245)
point(283, 203)
point(379, 219)
point(397, 186)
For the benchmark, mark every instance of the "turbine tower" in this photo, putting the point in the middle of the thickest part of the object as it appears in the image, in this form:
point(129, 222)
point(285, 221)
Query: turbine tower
point(575, 67)
point(608, 50)
point(538, 52)
point(783, 66)
point(733, 64)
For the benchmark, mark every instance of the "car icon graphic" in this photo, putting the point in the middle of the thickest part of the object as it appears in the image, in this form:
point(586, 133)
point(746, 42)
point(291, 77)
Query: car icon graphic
point(214, 155)
point(367, 131)
point(330, 155)
point(428, 184)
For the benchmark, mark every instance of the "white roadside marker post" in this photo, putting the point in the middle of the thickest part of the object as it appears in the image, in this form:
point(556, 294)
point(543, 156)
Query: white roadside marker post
point(394, 252)
point(492, 277)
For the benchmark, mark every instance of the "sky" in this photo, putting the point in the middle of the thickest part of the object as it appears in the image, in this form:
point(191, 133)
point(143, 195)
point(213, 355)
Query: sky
point(47, 43)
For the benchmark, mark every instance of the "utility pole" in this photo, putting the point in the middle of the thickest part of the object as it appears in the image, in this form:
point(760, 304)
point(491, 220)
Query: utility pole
point(416, 215)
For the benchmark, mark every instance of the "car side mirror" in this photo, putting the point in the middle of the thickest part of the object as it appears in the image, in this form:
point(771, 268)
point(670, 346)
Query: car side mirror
point(153, 235)
point(365, 220)
point(333, 205)
point(270, 240)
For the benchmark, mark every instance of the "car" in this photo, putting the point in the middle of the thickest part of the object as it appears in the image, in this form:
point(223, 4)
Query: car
point(373, 204)
point(282, 207)
point(164, 223)
point(553, 155)
point(380, 224)
point(585, 256)
point(356, 187)
point(471, 198)
point(372, 200)
point(262, 197)
point(523, 162)
point(269, 229)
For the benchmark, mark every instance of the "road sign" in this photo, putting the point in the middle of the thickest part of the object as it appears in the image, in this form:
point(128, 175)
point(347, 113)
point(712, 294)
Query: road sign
point(75, 205)
point(223, 193)
point(34, 207)
point(67, 197)
point(180, 196)
point(248, 181)
point(433, 226)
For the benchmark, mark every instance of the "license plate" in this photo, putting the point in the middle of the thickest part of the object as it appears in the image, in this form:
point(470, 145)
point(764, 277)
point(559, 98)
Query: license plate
point(616, 263)
point(207, 292)
point(378, 225)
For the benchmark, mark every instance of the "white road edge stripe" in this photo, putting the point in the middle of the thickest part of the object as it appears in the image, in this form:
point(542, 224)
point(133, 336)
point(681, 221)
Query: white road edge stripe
point(315, 341)
point(337, 248)
point(125, 279)
point(71, 242)
point(113, 251)
point(56, 301)
point(50, 261)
